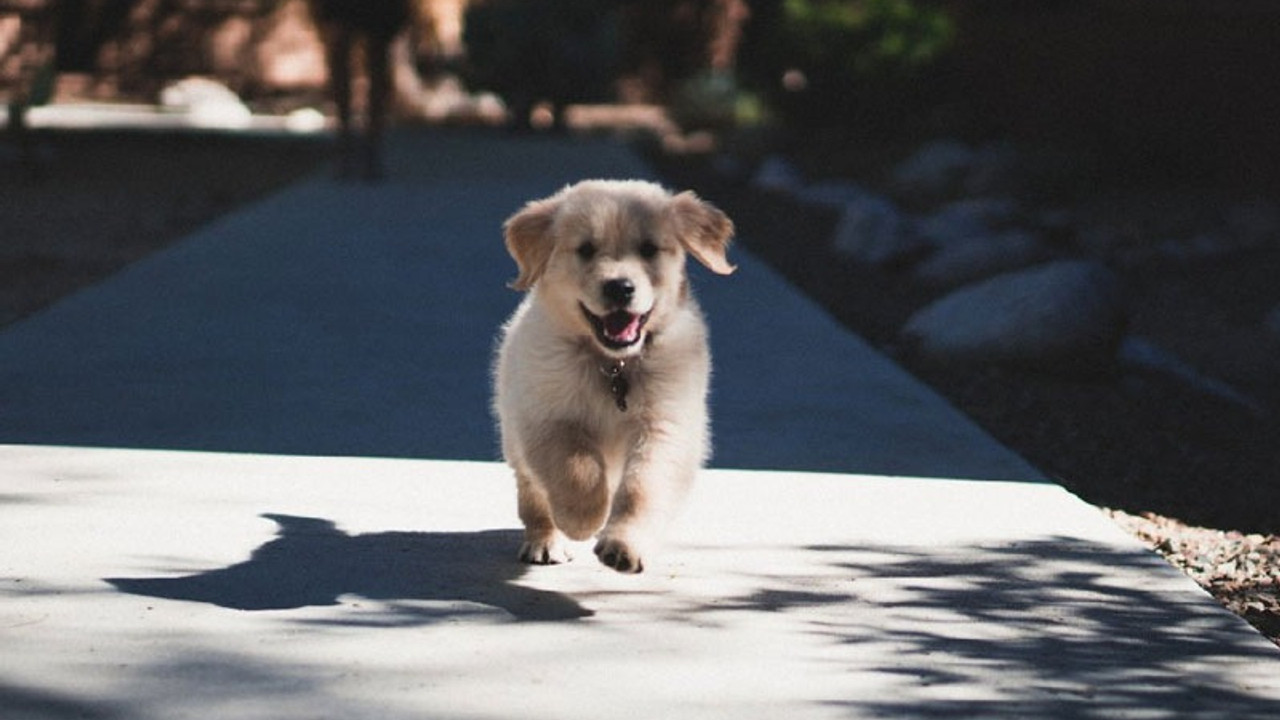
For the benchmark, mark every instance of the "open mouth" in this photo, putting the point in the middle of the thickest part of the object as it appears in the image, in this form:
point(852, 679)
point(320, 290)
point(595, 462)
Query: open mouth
point(617, 330)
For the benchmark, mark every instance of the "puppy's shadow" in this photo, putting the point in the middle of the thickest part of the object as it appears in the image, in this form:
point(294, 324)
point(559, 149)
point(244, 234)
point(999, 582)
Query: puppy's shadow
point(311, 562)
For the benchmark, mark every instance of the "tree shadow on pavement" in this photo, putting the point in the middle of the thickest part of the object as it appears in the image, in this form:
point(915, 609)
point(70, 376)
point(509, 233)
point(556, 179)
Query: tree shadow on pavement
point(424, 577)
point(25, 703)
point(1050, 628)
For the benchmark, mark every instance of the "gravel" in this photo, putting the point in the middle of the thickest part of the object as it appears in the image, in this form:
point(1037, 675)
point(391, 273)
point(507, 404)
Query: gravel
point(1241, 570)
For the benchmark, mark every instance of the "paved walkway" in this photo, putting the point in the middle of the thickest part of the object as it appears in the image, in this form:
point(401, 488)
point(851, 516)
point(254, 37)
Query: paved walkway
point(350, 320)
point(340, 544)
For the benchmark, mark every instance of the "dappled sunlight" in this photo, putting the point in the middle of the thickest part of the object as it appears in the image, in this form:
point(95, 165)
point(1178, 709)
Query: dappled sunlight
point(250, 461)
point(1043, 627)
point(375, 584)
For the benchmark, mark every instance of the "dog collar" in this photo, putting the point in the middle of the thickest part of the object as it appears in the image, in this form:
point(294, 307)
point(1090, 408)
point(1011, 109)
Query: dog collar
point(619, 386)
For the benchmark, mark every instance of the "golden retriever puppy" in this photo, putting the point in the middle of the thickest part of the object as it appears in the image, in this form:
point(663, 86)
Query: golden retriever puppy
point(601, 373)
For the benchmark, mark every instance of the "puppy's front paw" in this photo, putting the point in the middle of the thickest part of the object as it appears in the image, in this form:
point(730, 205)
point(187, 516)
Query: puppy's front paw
point(545, 551)
point(619, 554)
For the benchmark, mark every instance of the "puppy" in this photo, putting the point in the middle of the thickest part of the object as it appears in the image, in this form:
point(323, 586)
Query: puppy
point(601, 373)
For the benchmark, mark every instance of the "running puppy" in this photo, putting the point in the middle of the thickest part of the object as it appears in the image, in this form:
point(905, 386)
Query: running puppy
point(602, 372)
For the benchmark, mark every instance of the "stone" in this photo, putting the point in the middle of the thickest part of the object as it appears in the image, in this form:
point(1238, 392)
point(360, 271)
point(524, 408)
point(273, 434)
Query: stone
point(1140, 354)
point(937, 169)
point(949, 168)
point(832, 193)
point(1272, 322)
point(872, 231)
point(993, 169)
point(1061, 316)
point(1254, 223)
point(1101, 240)
point(965, 221)
point(958, 264)
point(777, 174)
point(997, 213)
point(1187, 250)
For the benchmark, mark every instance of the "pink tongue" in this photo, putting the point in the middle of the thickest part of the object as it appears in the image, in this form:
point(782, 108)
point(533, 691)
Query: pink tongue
point(622, 326)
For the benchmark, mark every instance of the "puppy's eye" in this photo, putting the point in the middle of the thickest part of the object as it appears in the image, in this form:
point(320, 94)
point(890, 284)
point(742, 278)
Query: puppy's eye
point(587, 250)
point(648, 249)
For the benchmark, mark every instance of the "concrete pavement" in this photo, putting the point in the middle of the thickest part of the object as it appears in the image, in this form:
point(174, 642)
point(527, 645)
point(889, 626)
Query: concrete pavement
point(252, 477)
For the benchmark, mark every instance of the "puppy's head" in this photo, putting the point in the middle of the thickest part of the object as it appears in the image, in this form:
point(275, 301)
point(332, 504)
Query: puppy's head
point(607, 257)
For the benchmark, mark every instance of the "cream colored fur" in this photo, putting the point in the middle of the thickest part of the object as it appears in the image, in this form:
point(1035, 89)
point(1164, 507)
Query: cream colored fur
point(584, 466)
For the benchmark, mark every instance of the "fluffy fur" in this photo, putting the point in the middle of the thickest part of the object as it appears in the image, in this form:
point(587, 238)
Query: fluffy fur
point(601, 373)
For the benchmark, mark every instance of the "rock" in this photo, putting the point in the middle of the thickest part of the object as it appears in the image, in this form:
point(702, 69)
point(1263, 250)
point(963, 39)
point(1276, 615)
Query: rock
point(965, 221)
point(1272, 322)
point(1056, 221)
point(957, 264)
point(776, 174)
point(1138, 353)
point(936, 170)
point(1062, 316)
point(948, 168)
point(993, 169)
point(1195, 249)
point(835, 193)
point(872, 231)
point(206, 103)
point(729, 166)
point(1101, 240)
point(944, 230)
point(995, 212)
point(1254, 223)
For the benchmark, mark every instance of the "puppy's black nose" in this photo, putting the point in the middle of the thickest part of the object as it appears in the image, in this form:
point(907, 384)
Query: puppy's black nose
point(619, 292)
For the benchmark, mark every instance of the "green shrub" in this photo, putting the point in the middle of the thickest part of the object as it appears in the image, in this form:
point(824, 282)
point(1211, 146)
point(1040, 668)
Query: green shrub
point(865, 39)
point(859, 61)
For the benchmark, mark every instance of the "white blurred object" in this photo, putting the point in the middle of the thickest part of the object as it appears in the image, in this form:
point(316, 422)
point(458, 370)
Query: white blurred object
point(206, 104)
point(305, 120)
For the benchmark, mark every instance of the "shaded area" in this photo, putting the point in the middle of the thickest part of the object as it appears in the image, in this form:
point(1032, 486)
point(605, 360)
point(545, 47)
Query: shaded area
point(22, 703)
point(196, 680)
point(287, 329)
point(1134, 440)
point(107, 199)
point(1043, 629)
point(1168, 86)
point(312, 562)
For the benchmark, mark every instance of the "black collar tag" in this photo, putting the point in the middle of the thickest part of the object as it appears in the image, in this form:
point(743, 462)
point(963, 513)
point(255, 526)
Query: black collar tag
point(619, 386)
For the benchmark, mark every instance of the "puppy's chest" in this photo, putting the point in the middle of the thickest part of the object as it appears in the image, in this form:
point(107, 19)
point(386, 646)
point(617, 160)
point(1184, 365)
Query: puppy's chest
point(616, 388)
point(592, 389)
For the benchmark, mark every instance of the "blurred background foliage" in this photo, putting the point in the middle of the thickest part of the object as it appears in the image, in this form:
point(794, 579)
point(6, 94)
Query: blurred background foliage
point(1140, 78)
point(867, 63)
point(556, 51)
point(864, 39)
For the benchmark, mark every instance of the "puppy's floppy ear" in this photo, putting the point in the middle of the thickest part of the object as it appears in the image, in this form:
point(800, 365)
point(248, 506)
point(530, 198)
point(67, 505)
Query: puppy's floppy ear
point(528, 238)
point(704, 231)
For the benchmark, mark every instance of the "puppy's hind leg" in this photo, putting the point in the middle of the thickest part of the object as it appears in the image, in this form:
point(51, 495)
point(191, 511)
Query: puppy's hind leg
point(544, 544)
